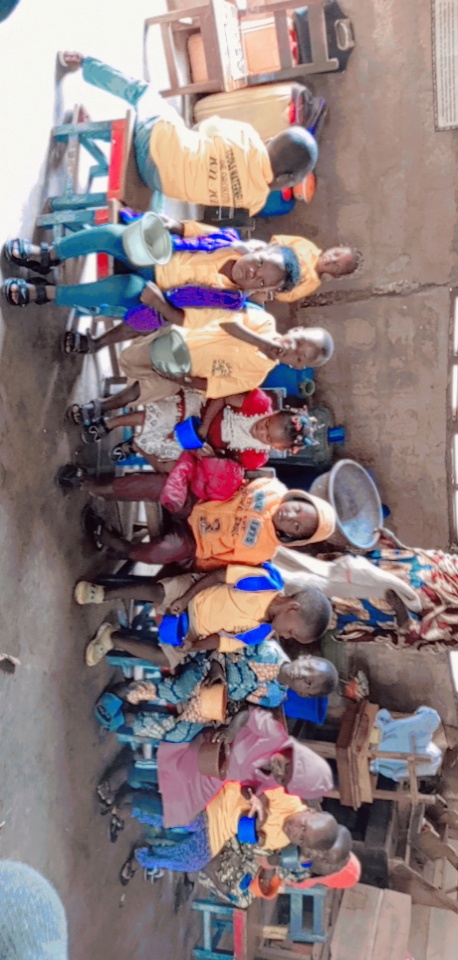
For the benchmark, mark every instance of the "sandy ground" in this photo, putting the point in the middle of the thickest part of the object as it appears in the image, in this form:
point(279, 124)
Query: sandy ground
point(51, 752)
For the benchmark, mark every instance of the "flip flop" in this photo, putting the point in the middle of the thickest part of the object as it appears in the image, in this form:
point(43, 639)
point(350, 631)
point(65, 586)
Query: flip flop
point(128, 870)
point(116, 827)
point(92, 526)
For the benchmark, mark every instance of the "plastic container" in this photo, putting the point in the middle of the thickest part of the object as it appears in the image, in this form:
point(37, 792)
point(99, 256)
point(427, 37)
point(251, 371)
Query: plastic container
point(186, 433)
point(109, 711)
point(356, 501)
point(306, 189)
point(246, 830)
point(213, 759)
point(172, 630)
point(147, 241)
point(313, 709)
point(264, 893)
point(290, 379)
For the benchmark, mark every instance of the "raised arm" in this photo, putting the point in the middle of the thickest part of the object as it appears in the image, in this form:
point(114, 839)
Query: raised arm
point(270, 348)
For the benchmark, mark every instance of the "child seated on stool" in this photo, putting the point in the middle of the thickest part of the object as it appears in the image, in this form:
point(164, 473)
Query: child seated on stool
point(222, 164)
point(227, 609)
point(281, 819)
point(260, 674)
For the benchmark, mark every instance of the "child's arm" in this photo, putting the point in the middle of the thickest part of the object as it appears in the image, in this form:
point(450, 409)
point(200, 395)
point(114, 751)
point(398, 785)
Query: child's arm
point(228, 733)
point(212, 410)
point(271, 348)
point(209, 580)
point(152, 296)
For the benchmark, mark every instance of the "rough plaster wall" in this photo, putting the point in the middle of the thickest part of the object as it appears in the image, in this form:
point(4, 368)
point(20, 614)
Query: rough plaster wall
point(387, 184)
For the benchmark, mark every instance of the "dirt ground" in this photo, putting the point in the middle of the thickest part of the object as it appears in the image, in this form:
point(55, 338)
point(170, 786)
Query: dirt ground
point(51, 752)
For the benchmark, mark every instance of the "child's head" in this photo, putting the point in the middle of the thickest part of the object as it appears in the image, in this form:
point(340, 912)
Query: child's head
point(311, 830)
point(303, 617)
point(310, 676)
point(306, 347)
point(333, 858)
point(292, 154)
point(301, 518)
point(338, 261)
point(271, 269)
point(285, 430)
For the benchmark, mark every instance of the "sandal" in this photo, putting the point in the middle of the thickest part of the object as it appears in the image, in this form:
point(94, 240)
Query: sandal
point(100, 645)
point(22, 257)
point(23, 291)
point(105, 796)
point(93, 432)
point(93, 526)
point(116, 827)
point(128, 870)
point(86, 592)
point(84, 413)
point(70, 476)
point(122, 451)
point(75, 342)
point(151, 874)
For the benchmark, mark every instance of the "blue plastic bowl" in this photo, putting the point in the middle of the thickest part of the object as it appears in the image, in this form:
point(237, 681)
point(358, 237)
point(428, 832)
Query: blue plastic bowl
point(186, 434)
point(246, 831)
point(172, 630)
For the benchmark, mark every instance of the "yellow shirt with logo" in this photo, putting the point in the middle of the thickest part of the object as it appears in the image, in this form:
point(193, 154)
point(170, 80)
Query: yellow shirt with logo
point(228, 364)
point(239, 530)
point(222, 164)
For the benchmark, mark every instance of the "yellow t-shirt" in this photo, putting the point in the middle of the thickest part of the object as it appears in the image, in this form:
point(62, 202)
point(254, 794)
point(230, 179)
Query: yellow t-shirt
point(239, 530)
point(225, 810)
point(225, 609)
point(198, 269)
point(229, 365)
point(222, 164)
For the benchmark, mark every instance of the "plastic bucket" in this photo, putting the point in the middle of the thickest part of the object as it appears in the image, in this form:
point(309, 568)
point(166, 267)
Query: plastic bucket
point(356, 501)
point(213, 759)
point(246, 830)
point(147, 241)
point(265, 892)
point(172, 630)
point(186, 433)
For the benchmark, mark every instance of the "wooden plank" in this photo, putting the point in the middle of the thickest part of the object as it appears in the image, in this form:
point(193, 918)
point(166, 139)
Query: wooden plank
point(419, 927)
point(392, 931)
point(442, 936)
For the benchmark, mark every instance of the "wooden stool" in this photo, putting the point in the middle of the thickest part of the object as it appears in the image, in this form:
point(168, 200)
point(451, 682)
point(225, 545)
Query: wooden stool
point(218, 22)
point(219, 918)
point(321, 61)
point(75, 210)
point(297, 931)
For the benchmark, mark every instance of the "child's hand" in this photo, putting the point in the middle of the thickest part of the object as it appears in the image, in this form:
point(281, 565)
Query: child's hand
point(274, 351)
point(214, 675)
point(152, 296)
point(257, 809)
point(178, 606)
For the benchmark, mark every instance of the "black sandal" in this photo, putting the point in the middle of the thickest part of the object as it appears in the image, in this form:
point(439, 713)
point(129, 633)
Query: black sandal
point(70, 476)
point(84, 413)
point(93, 432)
point(105, 796)
point(128, 870)
point(23, 291)
point(92, 526)
point(116, 827)
point(22, 258)
point(122, 451)
point(75, 342)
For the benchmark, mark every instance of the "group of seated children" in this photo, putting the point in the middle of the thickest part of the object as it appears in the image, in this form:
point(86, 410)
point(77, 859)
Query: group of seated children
point(202, 346)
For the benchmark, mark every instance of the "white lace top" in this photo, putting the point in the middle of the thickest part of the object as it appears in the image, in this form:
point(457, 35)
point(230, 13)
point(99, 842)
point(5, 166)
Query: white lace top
point(235, 431)
point(161, 417)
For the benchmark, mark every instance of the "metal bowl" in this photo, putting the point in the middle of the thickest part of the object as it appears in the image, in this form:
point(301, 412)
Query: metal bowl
point(355, 498)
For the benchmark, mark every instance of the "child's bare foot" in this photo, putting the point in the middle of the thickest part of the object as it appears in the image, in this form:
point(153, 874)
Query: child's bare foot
point(70, 59)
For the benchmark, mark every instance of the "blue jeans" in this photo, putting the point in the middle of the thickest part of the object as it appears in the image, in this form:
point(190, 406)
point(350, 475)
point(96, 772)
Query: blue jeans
point(148, 104)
